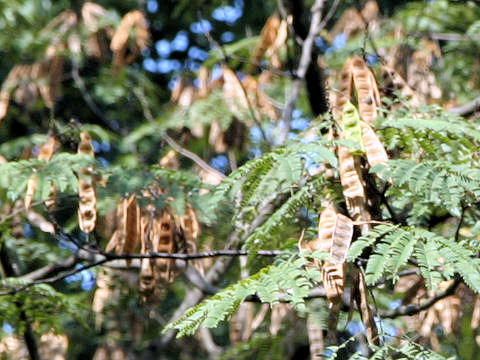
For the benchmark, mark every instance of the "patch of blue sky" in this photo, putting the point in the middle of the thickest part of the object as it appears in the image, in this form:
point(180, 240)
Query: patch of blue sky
point(201, 27)
point(180, 42)
point(165, 66)
point(197, 53)
point(227, 37)
point(215, 72)
point(7, 328)
point(163, 48)
point(172, 82)
point(228, 13)
point(150, 65)
point(85, 277)
point(192, 65)
point(220, 163)
point(255, 134)
point(338, 43)
point(152, 6)
point(27, 230)
point(371, 59)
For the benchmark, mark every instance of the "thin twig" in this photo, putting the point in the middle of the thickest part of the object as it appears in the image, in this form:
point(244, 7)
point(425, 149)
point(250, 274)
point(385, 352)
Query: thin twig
point(194, 157)
point(107, 257)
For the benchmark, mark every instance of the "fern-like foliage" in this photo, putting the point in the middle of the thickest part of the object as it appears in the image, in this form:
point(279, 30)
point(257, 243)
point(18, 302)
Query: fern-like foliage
point(439, 182)
point(278, 171)
point(438, 257)
point(61, 171)
point(41, 303)
point(287, 280)
point(429, 133)
point(268, 235)
point(410, 351)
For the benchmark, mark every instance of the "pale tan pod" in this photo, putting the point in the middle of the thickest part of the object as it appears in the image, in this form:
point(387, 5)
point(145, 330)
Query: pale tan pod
point(30, 193)
point(376, 153)
point(345, 86)
point(268, 36)
point(134, 20)
point(367, 90)
point(326, 228)
point(45, 152)
point(366, 313)
point(164, 232)
point(87, 213)
point(315, 338)
point(350, 174)
point(333, 277)
point(341, 239)
point(131, 225)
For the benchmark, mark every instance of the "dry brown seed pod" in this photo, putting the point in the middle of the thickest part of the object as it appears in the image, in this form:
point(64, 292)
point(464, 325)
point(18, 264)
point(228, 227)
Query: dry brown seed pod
point(87, 213)
point(367, 90)
point(268, 37)
point(333, 278)
point(365, 311)
point(394, 82)
point(376, 153)
point(170, 161)
point(341, 239)
point(132, 21)
point(45, 152)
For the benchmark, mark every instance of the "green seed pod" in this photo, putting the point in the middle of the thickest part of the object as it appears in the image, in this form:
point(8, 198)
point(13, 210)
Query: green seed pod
point(351, 127)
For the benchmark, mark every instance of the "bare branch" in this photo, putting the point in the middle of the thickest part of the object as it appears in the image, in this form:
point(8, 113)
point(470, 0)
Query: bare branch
point(467, 109)
point(410, 309)
point(194, 157)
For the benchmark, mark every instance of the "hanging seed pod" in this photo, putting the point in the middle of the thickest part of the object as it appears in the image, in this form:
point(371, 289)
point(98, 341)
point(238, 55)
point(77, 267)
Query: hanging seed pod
point(376, 153)
point(147, 277)
point(351, 127)
point(345, 86)
point(333, 277)
point(272, 38)
point(315, 337)
point(87, 213)
point(135, 22)
point(164, 238)
point(367, 90)
point(392, 81)
point(45, 152)
point(364, 306)
point(341, 239)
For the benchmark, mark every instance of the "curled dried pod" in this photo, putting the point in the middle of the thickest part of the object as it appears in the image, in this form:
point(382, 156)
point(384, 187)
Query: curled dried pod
point(272, 38)
point(135, 22)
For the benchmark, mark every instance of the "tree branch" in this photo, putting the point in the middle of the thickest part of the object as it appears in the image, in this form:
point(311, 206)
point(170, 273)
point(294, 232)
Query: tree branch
point(303, 67)
point(194, 157)
point(410, 309)
point(467, 109)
